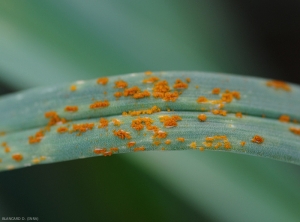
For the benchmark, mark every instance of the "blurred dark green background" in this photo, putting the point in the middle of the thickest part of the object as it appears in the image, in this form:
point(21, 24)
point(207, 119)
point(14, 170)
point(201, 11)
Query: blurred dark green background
point(48, 42)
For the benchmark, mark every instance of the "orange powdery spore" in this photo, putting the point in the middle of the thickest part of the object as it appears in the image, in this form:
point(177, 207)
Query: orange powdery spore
point(243, 143)
point(148, 72)
point(114, 149)
point(116, 122)
point(99, 150)
point(17, 157)
point(236, 94)
point(36, 138)
point(122, 134)
point(103, 80)
point(202, 117)
point(227, 97)
point(239, 115)
point(179, 84)
point(161, 87)
point(201, 148)
point(151, 79)
point(180, 139)
point(216, 91)
point(139, 149)
point(83, 127)
point(108, 153)
point(54, 118)
point(73, 88)
point(227, 145)
point(7, 149)
point(118, 94)
point(188, 80)
point(152, 110)
point(171, 96)
point(223, 112)
point(99, 104)
point(276, 84)
point(160, 134)
point(218, 145)
point(284, 118)
point(121, 84)
point(216, 111)
point(202, 99)
point(71, 108)
point(131, 91)
point(103, 123)
point(62, 129)
point(193, 145)
point(130, 144)
point(295, 130)
point(156, 142)
point(170, 121)
point(168, 142)
point(137, 124)
point(141, 95)
point(257, 139)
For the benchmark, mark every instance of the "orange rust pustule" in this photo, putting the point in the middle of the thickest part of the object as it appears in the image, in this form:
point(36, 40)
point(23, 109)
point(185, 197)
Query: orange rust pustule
point(2, 133)
point(141, 95)
point(83, 127)
point(73, 88)
point(171, 96)
point(239, 115)
point(103, 80)
point(188, 80)
point(116, 122)
point(202, 99)
point(151, 79)
point(284, 118)
point(160, 134)
point(7, 149)
point(131, 91)
point(17, 157)
point(99, 150)
point(36, 138)
point(148, 72)
point(227, 97)
point(156, 142)
point(170, 121)
point(193, 145)
point(122, 134)
point(180, 139)
point(179, 84)
point(54, 118)
point(168, 142)
point(152, 110)
point(118, 94)
point(202, 117)
point(201, 148)
point(114, 149)
point(236, 94)
point(139, 149)
point(71, 108)
point(243, 143)
point(107, 153)
point(295, 130)
point(103, 123)
point(62, 129)
point(99, 104)
point(276, 84)
point(121, 84)
point(257, 139)
point(130, 144)
point(216, 91)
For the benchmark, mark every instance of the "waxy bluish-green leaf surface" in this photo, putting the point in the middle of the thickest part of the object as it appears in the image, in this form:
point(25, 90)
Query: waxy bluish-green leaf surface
point(22, 115)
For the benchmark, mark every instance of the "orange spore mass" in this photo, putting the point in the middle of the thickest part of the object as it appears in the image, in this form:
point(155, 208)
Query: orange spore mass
point(71, 108)
point(257, 139)
point(202, 117)
point(17, 157)
point(102, 81)
point(276, 84)
point(122, 134)
point(99, 104)
point(284, 118)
